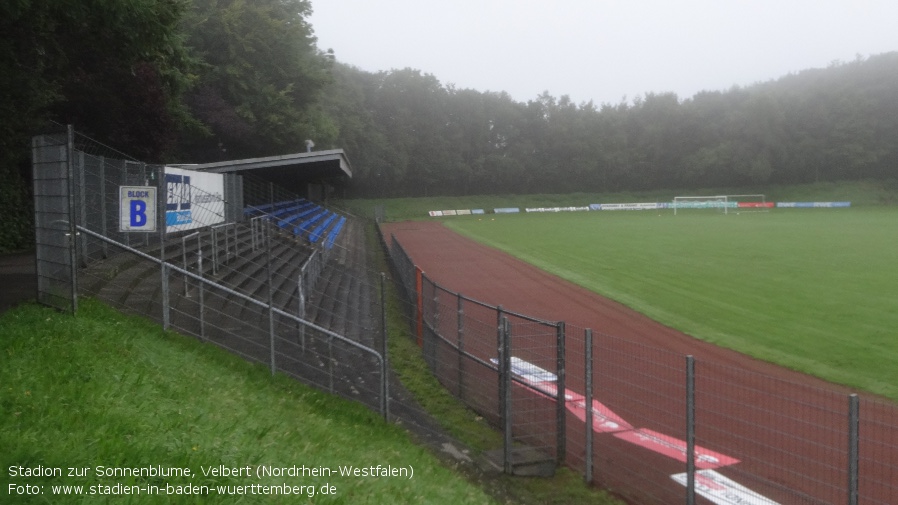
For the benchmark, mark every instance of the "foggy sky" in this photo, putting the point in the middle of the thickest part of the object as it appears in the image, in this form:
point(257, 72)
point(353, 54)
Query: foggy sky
point(603, 50)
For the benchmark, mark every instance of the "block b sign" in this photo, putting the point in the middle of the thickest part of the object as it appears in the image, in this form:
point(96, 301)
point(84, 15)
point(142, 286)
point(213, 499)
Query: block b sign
point(137, 208)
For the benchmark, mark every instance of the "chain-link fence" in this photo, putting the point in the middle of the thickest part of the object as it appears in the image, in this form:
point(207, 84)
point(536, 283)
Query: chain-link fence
point(652, 425)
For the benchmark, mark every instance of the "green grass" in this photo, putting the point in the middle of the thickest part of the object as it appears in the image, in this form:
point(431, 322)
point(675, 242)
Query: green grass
point(810, 289)
point(104, 389)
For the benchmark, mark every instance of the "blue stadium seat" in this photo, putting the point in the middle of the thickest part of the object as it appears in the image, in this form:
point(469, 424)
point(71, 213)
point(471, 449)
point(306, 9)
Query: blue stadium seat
point(319, 230)
point(335, 231)
point(307, 225)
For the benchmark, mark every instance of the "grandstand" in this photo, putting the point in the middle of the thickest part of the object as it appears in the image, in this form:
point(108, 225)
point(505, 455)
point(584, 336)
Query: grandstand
point(269, 272)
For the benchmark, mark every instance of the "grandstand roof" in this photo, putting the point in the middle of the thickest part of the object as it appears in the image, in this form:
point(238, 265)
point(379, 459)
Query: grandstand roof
point(289, 170)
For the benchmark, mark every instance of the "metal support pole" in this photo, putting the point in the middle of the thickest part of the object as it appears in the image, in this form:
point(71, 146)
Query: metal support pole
point(72, 231)
point(123, 181)
point(505, 374)
point(214, 250)
point(690, 430)
point(330, 363)
point(143, 177)
point(270, 300)
point(853, 421)
point(166, 306)
point(384, 377)
point(500, 345)
point(460, 346)
point(82, 210)
point(588, 399)
point(201, 288)
point(419, 315)
point(560, 399)
point(103, 206)
point(160, 223)
point(301, 312)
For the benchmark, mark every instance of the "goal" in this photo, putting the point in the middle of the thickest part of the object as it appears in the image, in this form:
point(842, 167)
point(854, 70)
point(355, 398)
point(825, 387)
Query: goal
point(723, 203)
point(719, 202)
point(750, 203)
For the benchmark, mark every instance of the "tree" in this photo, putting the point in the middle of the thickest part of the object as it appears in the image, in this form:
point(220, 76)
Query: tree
point(259, 90)
point(113, 68)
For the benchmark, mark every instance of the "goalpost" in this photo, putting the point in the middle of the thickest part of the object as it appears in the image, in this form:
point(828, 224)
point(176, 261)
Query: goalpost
point(723, 203)
point(719, 202)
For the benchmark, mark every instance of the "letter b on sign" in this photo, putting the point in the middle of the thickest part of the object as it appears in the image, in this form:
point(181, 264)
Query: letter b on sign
point(138, 213)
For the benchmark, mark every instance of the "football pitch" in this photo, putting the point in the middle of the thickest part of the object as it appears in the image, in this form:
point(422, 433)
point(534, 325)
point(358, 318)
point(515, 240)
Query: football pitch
point(810, 289)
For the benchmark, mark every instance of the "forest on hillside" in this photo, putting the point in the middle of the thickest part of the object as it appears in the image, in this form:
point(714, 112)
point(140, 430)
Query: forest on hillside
point(407, 134)
point(207, 80)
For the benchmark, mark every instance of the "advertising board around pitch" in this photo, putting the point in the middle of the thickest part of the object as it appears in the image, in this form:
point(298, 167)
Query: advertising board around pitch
point(137, 208)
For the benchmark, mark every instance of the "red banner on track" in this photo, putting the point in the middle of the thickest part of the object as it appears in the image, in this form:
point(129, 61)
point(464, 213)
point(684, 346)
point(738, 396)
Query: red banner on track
point(755, 205)
point(675, 448)
point(542, 382)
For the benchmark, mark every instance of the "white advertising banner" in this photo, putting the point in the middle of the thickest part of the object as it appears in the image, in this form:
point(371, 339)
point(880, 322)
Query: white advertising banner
point(722, 490)
point(193, 199)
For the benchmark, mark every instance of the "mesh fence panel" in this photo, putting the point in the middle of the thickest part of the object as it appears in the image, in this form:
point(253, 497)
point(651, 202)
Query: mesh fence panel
point(53, 221)
point(535, 385)
point(779, 431)
point(878, 452)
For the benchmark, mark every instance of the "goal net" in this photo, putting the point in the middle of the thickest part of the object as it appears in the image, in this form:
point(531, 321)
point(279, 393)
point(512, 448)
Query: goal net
point(723, 203)
point(718, 202)
point(750, 203)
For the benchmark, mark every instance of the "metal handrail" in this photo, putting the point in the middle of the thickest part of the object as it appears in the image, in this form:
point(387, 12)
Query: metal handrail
point(382, 362)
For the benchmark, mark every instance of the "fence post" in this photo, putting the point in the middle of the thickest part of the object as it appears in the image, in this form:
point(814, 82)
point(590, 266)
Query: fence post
point(853, 421)
point(300, 290)
point(270, 300)
point(82, 210)
point(690, 430)
point(72, 230)
point(103, 206)
point(505, 399)
point(201, 287)
point(461, 346)
point(419, 292)
point(161, 199)
point(144, 182)
point(385, 382)
point(500, 344)
point(589, 417)
point(166, 309)
point(214, 250)
point(560, 398)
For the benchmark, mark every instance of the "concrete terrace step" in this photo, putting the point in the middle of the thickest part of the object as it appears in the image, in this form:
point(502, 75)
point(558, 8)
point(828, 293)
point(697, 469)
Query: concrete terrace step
point(340, 301)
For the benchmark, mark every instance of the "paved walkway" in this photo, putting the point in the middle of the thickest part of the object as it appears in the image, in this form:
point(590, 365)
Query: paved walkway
point(18, 281)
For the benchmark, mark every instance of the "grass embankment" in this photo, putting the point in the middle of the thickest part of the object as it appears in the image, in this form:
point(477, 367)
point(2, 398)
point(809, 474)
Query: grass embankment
point(105, 390)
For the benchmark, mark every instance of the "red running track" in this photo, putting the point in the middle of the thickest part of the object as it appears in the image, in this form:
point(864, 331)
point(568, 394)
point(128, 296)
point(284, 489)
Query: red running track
point(789, 431)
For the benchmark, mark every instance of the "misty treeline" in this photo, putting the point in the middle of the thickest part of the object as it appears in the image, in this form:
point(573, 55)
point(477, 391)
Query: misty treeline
point(407, 134)
point(209, 80)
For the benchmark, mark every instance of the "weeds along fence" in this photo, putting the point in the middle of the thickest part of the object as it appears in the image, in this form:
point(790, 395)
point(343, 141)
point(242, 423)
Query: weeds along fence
point(653, 426)
point(233, 277)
